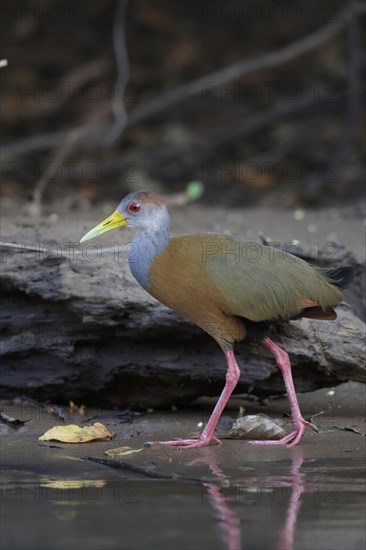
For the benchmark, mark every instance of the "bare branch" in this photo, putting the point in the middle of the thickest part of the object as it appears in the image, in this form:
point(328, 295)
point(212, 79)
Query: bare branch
point(123, 72)
point(35, 206)
point(243, 68)
point(345, 143)
point(77, 134)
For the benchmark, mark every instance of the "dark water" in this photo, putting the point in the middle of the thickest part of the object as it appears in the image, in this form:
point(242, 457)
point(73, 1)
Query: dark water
point(300, 504)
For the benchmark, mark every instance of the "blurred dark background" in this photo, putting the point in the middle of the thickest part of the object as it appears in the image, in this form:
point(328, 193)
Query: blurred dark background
point(258, 102)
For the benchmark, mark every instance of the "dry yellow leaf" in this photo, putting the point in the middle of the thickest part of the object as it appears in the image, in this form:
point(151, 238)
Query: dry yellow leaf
point(67, 484)
point(75, 434)
point(121, 451)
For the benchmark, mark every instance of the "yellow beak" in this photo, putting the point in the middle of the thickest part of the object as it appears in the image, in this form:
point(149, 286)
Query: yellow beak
point(115, 220)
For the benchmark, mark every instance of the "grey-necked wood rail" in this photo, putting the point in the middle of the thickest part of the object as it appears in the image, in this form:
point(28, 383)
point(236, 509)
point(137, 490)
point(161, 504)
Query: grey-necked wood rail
point(226, 286)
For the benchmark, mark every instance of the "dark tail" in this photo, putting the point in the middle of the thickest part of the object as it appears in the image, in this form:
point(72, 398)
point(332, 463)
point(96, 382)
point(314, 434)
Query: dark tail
point(341, 276)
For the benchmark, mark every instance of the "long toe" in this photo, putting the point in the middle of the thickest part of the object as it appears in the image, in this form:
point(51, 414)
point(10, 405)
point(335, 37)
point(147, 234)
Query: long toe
point(190, 443)
point(287, 440)
point(292, 438)
point(310, 425)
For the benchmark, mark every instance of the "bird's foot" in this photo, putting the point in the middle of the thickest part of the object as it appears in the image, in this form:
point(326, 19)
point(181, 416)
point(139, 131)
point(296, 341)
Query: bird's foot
point(292, 438)
point(190, 443)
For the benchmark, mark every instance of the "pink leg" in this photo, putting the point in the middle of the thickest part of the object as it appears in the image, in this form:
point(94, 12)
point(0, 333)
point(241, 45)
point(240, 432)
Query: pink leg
point(284, 365)
point(232, 377)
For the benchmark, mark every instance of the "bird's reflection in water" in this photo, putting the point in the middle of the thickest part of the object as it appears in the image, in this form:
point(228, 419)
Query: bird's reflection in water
point(228, 520)
point(296, 482)
point(218, 496)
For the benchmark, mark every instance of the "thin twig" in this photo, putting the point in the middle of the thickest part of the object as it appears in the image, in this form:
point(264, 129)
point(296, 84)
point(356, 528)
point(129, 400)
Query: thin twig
point(187, 91)
point(345, 143)
point(120, 52)
point(35, 206)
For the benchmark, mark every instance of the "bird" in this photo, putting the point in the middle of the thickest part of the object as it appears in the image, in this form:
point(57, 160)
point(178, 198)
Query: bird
point(230, 288)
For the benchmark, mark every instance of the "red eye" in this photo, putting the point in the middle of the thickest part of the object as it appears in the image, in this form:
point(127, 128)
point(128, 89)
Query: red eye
point(134, 207)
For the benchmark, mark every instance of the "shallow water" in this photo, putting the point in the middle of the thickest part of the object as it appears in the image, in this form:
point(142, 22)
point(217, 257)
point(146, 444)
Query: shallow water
point(300, 504)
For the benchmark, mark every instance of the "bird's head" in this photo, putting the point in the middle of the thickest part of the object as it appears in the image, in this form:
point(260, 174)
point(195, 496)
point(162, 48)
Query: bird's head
point(142, 209)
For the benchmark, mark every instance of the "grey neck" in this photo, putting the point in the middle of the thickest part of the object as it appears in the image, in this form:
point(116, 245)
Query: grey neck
point(147, 243)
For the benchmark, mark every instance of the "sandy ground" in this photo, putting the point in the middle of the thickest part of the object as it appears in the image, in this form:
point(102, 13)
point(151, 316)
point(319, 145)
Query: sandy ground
point(339, 415)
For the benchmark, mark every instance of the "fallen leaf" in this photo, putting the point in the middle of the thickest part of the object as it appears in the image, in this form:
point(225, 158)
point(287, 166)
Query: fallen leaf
point(73, 484)
point(255, 426)
point(14, 423)
point(75, 434)
point(73, 408)
point(121, 451)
